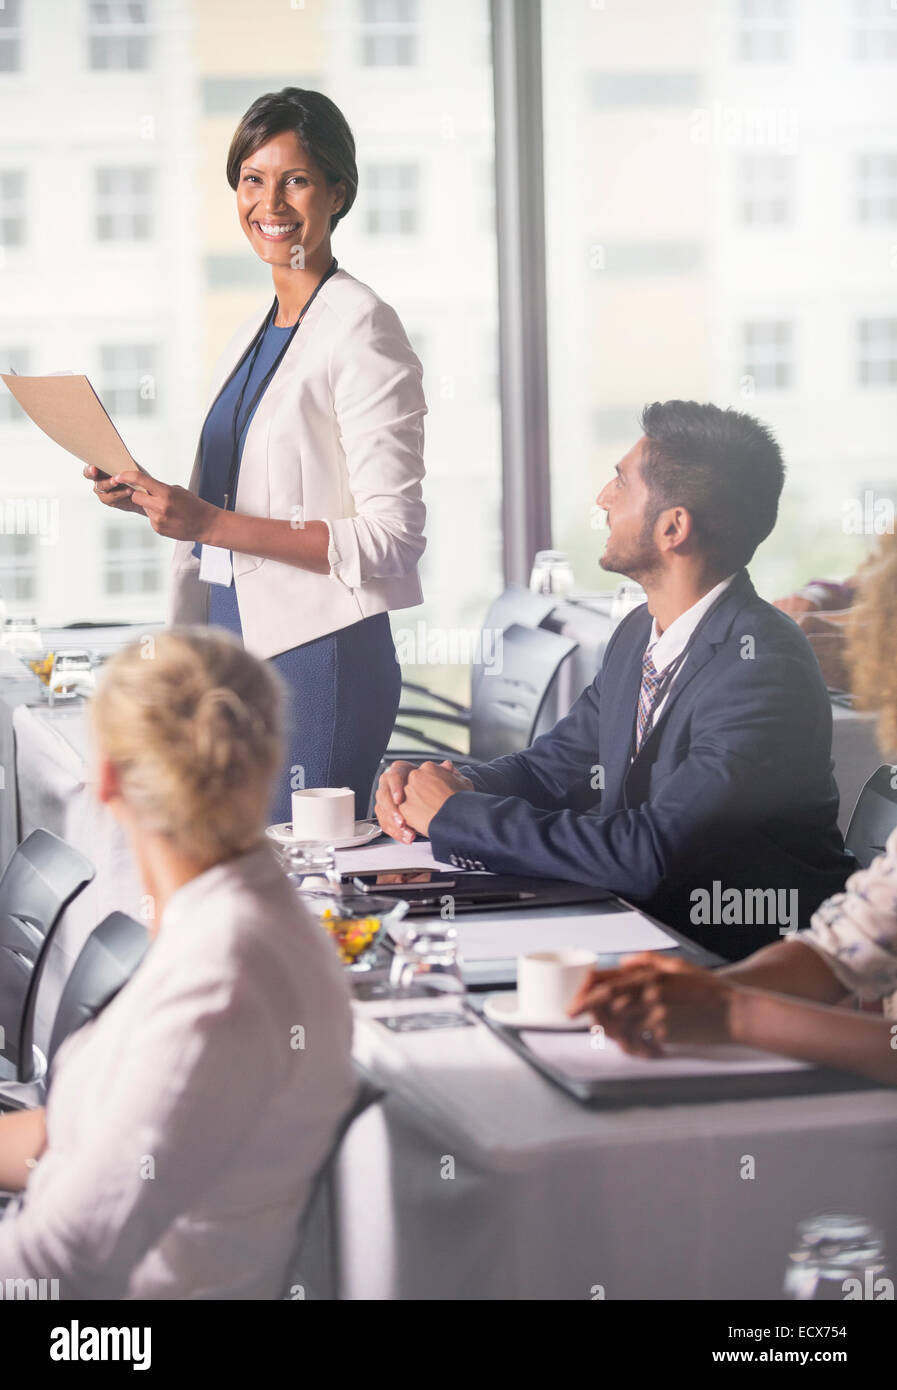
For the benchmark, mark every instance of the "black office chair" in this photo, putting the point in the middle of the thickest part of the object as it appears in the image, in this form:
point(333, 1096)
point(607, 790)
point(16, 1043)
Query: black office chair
point(105, 963)
point(506, 701)
point(874, 816)
point(515, 605)
point(42, 877)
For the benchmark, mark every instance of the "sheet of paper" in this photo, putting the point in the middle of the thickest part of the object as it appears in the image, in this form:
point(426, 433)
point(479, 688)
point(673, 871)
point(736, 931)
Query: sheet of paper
point(388, 854)
point(483, 937)
point(66, 407)
point(579, 1056)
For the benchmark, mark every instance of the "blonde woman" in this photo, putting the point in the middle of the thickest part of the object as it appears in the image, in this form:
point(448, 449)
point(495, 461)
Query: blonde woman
point(303, 522)
point(184, 1125)
point(782, 998)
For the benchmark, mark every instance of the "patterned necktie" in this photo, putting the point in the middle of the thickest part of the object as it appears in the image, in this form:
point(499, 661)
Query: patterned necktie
point(651, 680)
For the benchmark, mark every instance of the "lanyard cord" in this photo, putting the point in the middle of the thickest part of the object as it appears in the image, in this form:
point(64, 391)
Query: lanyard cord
point(238, 425)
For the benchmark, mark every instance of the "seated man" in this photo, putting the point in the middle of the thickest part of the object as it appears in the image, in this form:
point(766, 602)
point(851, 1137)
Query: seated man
point(694, 775)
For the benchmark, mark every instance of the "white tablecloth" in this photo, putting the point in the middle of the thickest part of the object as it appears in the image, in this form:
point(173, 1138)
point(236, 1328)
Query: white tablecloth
point(478, 1179)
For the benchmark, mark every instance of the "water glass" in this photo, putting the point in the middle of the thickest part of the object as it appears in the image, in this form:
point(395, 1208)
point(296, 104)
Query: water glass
point(310, 865)
point(426, 956)
point(22, 637)
point(828, 1251)
point(551, 573)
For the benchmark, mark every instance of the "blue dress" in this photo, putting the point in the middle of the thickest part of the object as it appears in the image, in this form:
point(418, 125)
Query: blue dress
point(343, 687)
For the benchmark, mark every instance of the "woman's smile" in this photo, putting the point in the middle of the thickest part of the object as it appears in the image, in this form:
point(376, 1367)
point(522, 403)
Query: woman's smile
point(275, 231)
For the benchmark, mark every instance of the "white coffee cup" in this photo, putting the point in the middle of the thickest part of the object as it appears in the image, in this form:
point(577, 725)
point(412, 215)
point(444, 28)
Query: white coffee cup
point(548, 980)
point(324, 813)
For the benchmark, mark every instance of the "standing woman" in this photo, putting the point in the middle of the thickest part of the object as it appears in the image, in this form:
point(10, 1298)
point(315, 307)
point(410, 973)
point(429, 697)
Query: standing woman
point(303, 521)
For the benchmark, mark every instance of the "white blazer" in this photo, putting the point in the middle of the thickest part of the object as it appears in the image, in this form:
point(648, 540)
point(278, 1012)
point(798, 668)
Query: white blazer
point(337, 437)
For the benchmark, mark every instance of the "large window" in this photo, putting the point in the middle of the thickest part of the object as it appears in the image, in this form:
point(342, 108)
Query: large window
point(393, 199)
point(875, 31)
point(760, 135)
point(132, 558)
point(10, 36)
point(128, 379)
point(876, 187)
point(12, 359)
point(124, 203)
point(389, 33)
point(877, 352)
point(763, 32)
point(148, 274)
point(117, 35)
point(19, 565)
point(12, 207)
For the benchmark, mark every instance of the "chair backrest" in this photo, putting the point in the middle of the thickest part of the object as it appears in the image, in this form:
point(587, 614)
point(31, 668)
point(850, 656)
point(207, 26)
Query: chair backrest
point(507, 694)
point(106, 962)
point(42, 877)
point(874, 816)
point(367, 1095)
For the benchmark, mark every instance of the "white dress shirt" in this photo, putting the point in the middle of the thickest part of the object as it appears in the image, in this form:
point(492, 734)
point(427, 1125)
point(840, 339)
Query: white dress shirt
point(337, 437)
point(185, 1124)
point(664, 647)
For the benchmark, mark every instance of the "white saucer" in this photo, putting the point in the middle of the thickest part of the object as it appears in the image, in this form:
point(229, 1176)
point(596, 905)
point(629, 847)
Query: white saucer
point(365, 831)
point(502, 1008)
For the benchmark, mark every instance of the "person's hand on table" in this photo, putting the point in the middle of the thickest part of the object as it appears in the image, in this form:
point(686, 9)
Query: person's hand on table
point(172, 511)
point(408, 797)
point(390, 795)
point(651, 1000)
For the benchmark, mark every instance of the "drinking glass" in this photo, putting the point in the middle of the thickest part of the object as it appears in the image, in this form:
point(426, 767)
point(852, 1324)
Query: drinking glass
point(426, 955)
point(829, 1249)
point(310, 865)
point(551, 573)
point(21, 637)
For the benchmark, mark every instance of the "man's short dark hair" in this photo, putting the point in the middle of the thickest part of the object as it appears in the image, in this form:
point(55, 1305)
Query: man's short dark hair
point(724, 467)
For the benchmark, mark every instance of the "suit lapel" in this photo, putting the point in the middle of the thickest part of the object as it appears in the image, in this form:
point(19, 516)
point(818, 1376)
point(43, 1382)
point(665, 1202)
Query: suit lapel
point(618, 707)
point(715, 631)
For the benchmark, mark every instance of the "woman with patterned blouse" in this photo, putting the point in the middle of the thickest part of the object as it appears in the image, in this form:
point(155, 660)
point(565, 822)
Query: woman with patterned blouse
point(785, 998)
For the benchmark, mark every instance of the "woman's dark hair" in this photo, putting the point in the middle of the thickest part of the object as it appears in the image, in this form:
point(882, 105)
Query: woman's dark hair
point(724, 467)
point(318, 123)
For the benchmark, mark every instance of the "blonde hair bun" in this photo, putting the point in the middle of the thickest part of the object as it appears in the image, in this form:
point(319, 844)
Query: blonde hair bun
point(192, 724)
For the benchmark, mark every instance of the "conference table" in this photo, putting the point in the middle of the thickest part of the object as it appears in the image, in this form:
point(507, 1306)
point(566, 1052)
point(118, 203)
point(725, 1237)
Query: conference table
point(474, 1176)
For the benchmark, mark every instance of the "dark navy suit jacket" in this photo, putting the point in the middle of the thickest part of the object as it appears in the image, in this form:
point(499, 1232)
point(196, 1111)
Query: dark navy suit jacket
point(731, 789)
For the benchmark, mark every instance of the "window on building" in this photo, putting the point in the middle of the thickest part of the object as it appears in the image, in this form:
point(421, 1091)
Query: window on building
point(389, 33)
point(764, 30)
point(117, 35)
point(877, 352)
point(14, 359)
point(767, 354)
point(11, 36)
point(128, 378)
point(392, 199)
point(874, 30)
point(124, 196)
point(19, 565)
point(12, 207)
point(764, 190)
point(133, 559)
point(876, 187)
